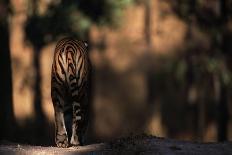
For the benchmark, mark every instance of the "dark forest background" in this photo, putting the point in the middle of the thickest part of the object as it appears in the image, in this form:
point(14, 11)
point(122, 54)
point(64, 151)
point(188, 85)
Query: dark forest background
point(159, 67)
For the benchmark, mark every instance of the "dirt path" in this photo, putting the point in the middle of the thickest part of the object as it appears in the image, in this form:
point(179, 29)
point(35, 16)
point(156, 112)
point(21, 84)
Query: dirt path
point(131, 145)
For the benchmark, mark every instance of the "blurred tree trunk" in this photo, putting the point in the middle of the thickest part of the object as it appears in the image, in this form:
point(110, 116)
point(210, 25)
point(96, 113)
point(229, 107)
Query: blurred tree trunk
point(192, 81)
point(201, 109)
point(223, 116)
point(147, 23)
point(149, 72)
point(40, 117)
point(41, 135)
point(7, 119)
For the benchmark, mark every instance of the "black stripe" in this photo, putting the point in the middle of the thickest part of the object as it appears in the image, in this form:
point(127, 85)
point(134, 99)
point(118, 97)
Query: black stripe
point(56, 75)
point(59, 78)
point(57, 91)
point(75, 97)
point(61, 66)
point(74, 87)
point(79, 69)
point(70, 65)
point(71, 77)
point(80, 86)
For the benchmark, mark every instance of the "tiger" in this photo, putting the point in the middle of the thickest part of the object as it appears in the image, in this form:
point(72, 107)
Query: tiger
point(70, 78)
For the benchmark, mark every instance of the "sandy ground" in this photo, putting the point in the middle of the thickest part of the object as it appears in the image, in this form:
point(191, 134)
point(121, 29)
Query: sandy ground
point(131, 145)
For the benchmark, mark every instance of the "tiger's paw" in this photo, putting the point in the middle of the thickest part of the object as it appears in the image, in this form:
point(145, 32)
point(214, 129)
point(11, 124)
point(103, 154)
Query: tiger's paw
point(62, 141)
point(74, 141)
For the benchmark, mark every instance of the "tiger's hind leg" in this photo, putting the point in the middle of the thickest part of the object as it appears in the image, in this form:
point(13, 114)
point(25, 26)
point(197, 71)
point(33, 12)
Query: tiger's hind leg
point(76, 110)
point(80, 120)
point(61, 134)
point(76, 118)
point(84, 123)
point(61, 137)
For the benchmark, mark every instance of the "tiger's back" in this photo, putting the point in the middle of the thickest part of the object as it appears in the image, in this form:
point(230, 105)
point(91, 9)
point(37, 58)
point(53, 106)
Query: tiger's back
point(69, 84)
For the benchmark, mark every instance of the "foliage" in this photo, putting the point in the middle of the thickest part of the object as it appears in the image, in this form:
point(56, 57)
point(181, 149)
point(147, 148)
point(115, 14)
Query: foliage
point(72, 18)
point(103, 11)
point(210, 18)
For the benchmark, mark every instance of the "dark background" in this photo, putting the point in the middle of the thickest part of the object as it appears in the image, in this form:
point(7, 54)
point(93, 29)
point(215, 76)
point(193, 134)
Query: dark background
point(159, 67)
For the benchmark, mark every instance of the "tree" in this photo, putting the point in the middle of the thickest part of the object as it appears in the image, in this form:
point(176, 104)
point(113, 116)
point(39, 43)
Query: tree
point(211, 18)
point(6, 111)
point(223, 114)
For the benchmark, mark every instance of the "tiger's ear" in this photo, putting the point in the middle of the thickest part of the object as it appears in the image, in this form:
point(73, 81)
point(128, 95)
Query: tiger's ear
point(86, 44)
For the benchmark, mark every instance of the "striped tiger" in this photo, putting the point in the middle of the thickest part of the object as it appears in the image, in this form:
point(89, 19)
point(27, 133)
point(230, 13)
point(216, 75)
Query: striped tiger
point(69, 84)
